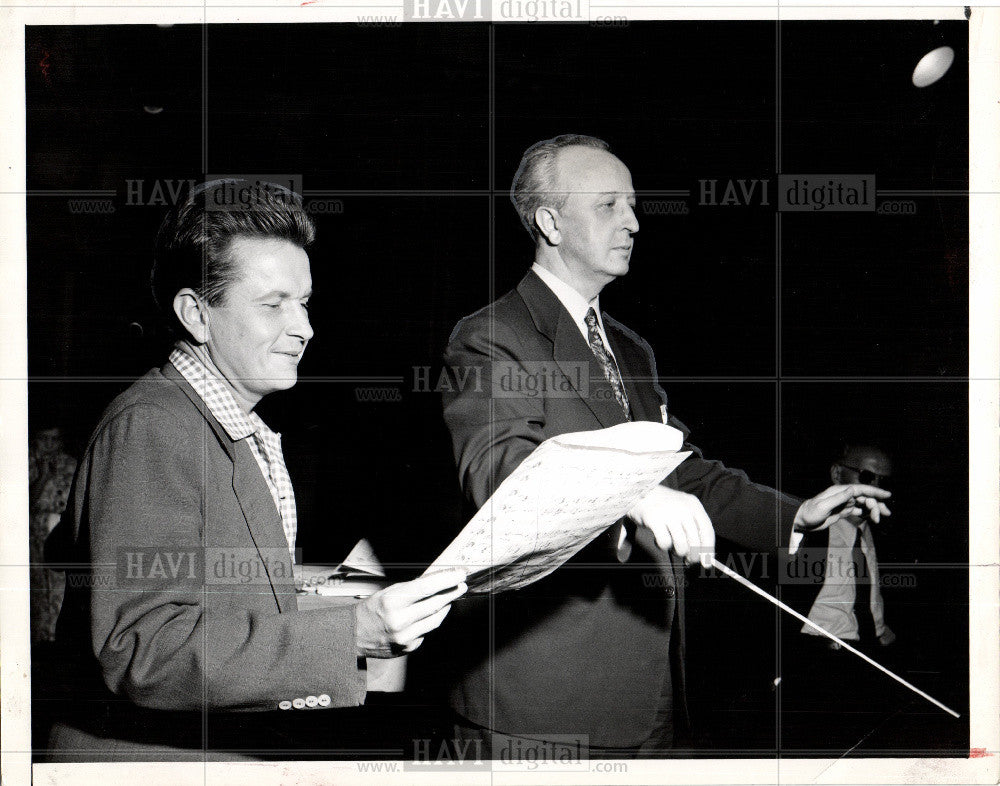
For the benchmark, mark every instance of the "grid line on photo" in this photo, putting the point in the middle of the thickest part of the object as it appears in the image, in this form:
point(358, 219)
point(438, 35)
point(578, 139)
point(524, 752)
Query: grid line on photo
point(204, 426)
point(778, 357)
point(490, 299)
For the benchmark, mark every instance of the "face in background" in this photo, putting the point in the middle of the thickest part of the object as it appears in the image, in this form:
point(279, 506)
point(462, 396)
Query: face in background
point(863, 465)
point(597, 221)
point(256, 336)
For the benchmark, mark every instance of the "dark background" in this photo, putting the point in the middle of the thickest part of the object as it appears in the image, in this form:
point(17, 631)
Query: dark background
point(778, 336)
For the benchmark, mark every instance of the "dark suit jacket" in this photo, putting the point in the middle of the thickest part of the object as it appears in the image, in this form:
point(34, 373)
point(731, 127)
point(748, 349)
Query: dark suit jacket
point(589, 649)
point(189, 604)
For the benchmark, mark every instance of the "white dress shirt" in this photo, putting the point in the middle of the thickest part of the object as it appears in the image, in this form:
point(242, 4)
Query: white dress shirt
point(833, 609)
point(575, 304)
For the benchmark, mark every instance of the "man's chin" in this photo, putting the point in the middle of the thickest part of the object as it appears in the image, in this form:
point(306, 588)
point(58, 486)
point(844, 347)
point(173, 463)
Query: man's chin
point(618, 267)
point(283, 382)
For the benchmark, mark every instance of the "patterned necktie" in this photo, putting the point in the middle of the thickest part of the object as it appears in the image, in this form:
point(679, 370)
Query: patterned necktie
point(607, 362)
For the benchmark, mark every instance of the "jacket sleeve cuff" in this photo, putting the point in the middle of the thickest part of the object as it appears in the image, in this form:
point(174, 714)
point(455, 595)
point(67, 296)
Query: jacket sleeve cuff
point(345, 678)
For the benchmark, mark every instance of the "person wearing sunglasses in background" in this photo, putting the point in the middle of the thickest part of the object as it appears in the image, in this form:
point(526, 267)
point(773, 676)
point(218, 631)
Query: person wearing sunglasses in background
point(831, 699)
point(849, 604)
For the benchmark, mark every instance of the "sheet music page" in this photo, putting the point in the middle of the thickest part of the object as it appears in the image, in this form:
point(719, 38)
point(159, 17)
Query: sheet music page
point(568, 491)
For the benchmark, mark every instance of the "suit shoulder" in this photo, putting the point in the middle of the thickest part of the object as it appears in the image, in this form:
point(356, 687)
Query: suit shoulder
point(152, 399)
point(502, 315)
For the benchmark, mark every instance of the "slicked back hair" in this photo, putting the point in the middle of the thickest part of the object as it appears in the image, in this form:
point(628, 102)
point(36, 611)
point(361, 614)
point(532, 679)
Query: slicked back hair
point(534, 184)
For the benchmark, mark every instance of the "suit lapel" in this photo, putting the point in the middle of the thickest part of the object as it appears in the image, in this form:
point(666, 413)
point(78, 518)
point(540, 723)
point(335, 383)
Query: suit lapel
point(261, 517)
point(569, 350)
point(263, 521)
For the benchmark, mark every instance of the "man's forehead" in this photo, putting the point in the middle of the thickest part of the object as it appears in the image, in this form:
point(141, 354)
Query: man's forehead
point(582, 169)
point(267, 262)
point(871, 459)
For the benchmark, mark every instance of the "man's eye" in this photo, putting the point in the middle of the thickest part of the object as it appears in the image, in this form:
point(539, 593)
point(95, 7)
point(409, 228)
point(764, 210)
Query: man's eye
point(271, 305)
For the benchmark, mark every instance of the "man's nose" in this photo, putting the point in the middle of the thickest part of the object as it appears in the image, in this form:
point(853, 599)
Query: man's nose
point(299, 325)
point(631, 223)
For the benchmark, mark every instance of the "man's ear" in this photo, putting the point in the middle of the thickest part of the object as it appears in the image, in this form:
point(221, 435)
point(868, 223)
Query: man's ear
point(835, 474)
point(192, 314)
point(547, 221)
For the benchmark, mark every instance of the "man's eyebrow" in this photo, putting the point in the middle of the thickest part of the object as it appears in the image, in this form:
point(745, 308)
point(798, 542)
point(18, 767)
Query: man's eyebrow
point(281, 293)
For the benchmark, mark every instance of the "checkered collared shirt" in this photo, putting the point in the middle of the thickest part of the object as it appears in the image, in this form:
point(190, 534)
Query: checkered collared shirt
point(264, 443)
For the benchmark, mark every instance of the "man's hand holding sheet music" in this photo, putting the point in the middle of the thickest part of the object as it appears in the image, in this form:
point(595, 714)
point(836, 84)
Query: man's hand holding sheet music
point(394, 621)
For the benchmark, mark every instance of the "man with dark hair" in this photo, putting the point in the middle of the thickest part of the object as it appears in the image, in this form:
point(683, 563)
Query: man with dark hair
point(184, 628)
point(595, 650)
point(193, 244)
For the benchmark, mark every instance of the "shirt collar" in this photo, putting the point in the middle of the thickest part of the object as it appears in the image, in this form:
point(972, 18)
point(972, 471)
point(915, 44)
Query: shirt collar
point(573, 301)
point(216, 395)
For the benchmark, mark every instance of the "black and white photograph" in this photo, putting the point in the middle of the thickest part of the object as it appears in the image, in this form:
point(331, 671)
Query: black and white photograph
point(475, 390)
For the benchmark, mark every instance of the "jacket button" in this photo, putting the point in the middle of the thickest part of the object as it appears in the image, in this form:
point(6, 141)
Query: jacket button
point(298, 703)
point(324, 700)
point(311, 701)
point(669, 591)
point(285, 705)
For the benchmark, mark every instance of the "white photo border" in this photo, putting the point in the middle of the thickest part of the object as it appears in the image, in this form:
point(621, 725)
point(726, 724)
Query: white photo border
point(984, 432)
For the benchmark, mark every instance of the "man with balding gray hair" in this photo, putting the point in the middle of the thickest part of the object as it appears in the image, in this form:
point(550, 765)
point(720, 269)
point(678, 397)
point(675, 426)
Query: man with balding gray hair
point(595, 651)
